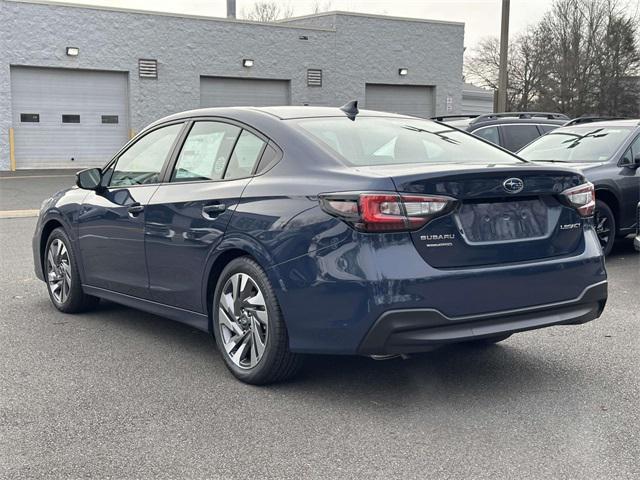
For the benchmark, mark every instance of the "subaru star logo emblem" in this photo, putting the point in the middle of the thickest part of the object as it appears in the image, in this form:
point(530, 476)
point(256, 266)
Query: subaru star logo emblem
point(513, 185)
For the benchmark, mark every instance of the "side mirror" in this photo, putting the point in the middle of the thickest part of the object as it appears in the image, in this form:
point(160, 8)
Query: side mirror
point(89, 179)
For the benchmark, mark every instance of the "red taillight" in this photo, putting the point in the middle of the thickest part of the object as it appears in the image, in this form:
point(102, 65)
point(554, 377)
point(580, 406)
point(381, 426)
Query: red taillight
point(386, 212)
point(582, 198)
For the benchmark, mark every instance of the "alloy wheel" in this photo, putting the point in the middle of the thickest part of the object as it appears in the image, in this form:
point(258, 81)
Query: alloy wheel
point(243, 320)
point(58, 271)
point(603, 229)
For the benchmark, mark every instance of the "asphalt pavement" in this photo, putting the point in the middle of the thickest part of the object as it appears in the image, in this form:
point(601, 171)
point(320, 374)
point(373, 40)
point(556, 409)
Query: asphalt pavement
point(117, 393)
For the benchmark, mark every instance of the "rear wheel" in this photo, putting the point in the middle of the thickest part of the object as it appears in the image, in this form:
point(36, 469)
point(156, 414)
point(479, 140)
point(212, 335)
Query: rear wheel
point(63, 279)
point(248, 325)
point(605, 224)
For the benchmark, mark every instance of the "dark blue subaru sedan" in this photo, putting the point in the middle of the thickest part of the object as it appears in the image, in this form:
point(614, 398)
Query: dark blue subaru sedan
point(292, 230)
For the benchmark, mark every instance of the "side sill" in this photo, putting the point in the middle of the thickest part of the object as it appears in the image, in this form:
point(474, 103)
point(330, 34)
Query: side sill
point(194, 319)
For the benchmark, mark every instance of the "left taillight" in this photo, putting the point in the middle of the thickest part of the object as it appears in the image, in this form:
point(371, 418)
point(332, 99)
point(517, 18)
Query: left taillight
point(582, 198)
point(386, 211)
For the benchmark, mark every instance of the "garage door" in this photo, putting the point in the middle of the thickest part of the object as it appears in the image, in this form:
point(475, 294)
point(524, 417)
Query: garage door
point(67, 118)
point(230, 92)
point(414, 100)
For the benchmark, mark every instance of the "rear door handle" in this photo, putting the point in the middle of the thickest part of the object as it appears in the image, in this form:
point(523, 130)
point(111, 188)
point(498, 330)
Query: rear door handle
point(213, 210)
point(135, 208)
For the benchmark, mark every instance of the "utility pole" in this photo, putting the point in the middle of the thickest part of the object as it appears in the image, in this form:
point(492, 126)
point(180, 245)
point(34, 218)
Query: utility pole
point(504, 51)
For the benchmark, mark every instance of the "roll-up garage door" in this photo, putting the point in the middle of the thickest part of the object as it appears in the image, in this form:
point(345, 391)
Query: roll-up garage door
point(414, 100)
point(66, 118)
point(230, 92)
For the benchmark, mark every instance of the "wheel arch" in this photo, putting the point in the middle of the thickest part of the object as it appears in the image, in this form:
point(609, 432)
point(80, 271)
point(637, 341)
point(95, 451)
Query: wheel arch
point(48, 227)
point(607, 196)
point(229, 249)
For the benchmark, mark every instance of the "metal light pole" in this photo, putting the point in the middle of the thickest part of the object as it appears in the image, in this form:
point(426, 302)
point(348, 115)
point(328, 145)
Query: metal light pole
point(504, 51)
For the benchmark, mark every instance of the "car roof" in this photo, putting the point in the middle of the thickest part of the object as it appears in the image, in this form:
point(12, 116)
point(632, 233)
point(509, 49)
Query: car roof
point(278, 112)
point(608, 123)
point(507, 120)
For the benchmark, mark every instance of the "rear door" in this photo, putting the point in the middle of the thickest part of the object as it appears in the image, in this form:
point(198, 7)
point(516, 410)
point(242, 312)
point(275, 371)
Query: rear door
point(188, 215)
point(628, 180)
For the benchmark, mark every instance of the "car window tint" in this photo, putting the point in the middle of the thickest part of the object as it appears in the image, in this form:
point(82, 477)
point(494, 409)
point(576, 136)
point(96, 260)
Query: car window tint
point(635, 147)
point(517, 136)
point(205, 152)
point(368, 141)
point(143, 161)
point(245, 155)
point(488, 133)
point(547, 128)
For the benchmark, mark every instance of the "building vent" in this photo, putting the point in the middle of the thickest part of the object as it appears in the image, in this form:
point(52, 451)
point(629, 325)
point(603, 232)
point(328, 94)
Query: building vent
point(147, 68)
point(314, 77)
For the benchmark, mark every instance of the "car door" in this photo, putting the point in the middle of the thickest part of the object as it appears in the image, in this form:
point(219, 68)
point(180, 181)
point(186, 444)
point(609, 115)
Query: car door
point(111, 220)
point(188, 215)
point(628, 179)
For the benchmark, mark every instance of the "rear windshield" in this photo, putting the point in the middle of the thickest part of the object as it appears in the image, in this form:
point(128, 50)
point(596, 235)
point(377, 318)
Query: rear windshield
point(368, 141)
point(577, 144)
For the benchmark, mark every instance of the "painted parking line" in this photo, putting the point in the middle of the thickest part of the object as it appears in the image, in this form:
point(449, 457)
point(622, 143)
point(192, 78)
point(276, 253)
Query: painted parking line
point(18, 213)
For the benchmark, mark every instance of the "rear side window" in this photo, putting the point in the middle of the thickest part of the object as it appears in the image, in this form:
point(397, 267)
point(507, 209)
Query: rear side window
point(143, 161)
point(547, 128)
point(205, 152)
point(517, 136)
point(245, 155)
point(488, 133)
point(368, 141)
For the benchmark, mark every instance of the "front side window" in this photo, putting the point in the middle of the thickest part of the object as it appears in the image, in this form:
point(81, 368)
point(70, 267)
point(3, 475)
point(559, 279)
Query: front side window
point(245, 156)
point(143, 161)
point(489, 133)
point(368, 141)
point(517, 136)
point(577, 144)
point(205, 152)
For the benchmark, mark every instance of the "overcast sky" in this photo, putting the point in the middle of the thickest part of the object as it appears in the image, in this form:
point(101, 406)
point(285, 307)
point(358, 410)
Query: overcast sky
point(482, 17)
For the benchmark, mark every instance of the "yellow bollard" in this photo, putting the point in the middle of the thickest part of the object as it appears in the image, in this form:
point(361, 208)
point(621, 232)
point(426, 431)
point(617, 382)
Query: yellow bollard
point(12, 151)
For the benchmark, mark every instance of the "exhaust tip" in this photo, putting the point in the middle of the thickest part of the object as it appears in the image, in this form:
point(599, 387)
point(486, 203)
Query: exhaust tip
point(391, 356)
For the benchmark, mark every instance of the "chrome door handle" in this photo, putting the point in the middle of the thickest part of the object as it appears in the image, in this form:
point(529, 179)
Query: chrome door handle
point(135, 208)
point(213, 210)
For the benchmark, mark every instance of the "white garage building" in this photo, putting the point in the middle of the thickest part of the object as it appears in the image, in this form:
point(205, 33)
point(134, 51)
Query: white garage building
point(77, 82)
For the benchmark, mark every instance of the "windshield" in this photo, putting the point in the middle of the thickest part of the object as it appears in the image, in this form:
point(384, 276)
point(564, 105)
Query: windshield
point(577, 144)
point(368, 141)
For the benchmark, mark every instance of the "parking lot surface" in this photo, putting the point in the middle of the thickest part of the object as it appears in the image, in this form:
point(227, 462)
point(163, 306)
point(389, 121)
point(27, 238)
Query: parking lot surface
point(117, 393)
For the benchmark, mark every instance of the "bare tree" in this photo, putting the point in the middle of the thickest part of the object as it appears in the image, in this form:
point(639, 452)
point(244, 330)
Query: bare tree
point(319, 6)
point(267, 11)
point(582, 58)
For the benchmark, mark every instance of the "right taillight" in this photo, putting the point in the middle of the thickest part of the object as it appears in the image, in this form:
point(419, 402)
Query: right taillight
point(582, 198)
point(386, 211)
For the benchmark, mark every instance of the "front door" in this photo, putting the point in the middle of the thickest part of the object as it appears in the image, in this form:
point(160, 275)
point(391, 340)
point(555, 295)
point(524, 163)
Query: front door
point(187, 216)
point(111, 221)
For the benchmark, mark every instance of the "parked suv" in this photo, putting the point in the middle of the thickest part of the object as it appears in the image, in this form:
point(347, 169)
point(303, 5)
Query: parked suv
point(608, 154)
point(509, 130)
point(290, 230)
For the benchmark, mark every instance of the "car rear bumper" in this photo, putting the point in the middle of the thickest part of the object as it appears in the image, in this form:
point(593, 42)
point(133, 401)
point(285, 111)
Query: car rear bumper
point(415, 330)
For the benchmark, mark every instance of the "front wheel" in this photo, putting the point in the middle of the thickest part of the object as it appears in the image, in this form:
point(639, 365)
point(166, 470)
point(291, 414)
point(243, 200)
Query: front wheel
point(605, 224)
point(63, 279)
point(248, 325)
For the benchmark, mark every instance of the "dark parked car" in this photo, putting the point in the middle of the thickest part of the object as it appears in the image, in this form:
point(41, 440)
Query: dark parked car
point(636, 240)
point(608, 153)
point(509, 130)
point(291, 230)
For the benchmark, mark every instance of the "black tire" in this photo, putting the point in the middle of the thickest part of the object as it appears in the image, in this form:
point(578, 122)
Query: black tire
point(76, 300)
point(485, 342)
point(605, 224)
point(276, 362)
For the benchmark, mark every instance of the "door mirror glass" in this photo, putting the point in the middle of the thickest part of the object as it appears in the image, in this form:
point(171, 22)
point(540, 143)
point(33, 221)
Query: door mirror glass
point(89, 179)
